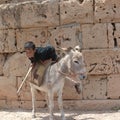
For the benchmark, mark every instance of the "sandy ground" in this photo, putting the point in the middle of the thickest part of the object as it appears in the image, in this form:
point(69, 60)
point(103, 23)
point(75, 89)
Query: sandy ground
point(70, 115)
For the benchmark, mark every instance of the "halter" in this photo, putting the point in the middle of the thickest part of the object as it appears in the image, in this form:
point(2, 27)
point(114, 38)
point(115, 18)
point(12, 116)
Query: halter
point(68, 75)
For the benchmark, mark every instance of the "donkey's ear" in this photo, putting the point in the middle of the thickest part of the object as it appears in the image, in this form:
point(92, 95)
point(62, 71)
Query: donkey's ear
point(77, 48)
point(64, 51)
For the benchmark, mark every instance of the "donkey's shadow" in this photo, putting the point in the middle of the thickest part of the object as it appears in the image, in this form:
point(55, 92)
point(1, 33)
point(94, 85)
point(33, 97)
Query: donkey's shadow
point(68, 116)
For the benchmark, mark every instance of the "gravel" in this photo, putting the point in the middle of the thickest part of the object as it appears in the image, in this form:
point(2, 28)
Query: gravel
point(70, 115)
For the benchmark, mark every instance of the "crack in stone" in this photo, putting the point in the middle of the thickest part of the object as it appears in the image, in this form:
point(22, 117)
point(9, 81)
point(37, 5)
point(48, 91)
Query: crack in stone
point(114, 39)
point(93, 67)
point(80, 1)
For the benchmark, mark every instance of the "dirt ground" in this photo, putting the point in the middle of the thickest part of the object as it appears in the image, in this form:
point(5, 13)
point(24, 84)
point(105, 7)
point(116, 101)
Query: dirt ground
point(70, 115)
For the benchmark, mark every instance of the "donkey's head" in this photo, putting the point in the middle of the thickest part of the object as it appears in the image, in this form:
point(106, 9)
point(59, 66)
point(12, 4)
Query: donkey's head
point(76, 67)
point(76, 63)
point(72, 66)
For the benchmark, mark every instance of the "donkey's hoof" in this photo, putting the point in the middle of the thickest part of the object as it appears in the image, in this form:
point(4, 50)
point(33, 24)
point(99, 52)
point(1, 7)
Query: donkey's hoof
point(33, 116)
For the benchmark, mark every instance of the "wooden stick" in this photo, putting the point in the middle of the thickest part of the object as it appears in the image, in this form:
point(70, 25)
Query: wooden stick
point(24, 80)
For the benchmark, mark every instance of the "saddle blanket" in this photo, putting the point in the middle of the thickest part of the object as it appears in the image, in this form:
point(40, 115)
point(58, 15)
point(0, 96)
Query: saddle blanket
point(38, 71)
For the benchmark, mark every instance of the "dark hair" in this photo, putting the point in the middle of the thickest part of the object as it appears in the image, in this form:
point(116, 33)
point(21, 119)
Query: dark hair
point(29, 45)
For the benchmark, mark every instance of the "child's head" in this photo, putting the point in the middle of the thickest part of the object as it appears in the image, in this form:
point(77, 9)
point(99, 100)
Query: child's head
point(29, 48)
point(29, 45)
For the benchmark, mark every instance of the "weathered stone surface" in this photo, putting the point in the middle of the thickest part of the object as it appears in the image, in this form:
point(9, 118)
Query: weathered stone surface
point(107, 10)
point(2, 103)
point(113, 89)
point(65, 36)
point(71, 104)
point(91, 104)
point(25, 92)
point(80, 11)
point(102, 61)
point(29, 14)
point(95, 87)
point(38, 36)
point(5, 1)
point(23, 104)
point(62, 24)
point(2, 60)
point(14, 1)
point(16, 65)
point(10, 16)
point(113, 35)
point(40, 14)
point(7, 41)
point(8, 88)
point(69, 91)
point(94, 36)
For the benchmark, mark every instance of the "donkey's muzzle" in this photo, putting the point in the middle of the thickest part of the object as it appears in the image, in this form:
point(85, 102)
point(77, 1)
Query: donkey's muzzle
point(83, 77)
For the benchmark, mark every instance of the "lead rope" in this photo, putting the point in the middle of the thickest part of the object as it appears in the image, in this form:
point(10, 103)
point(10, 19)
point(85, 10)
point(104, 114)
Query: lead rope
point(66, 75)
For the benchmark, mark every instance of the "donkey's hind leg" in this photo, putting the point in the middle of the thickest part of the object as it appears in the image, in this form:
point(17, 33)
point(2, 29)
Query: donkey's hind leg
point(33, 101)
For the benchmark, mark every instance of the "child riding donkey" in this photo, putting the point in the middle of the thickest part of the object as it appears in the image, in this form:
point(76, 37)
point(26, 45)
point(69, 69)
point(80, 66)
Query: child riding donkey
point(40, 58)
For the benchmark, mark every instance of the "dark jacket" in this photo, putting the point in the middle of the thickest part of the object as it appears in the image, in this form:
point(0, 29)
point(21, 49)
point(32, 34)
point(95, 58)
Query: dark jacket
point(44, 53)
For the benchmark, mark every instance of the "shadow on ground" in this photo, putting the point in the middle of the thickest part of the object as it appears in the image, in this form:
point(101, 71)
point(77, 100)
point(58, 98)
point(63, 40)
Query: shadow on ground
point(70, 115)
point(73, 115)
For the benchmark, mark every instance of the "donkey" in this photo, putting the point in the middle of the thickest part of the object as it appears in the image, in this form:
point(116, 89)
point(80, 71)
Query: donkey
point(70, 66)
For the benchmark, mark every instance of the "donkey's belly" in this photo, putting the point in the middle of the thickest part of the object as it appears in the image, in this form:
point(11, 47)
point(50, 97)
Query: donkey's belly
point(41, 88)
point(45, 88)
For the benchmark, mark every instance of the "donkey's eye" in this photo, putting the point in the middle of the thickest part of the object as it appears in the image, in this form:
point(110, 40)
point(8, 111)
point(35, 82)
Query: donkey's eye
point(76, 62)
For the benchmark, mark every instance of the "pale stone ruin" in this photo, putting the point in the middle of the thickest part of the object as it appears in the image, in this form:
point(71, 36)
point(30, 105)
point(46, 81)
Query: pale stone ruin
point(92, 24)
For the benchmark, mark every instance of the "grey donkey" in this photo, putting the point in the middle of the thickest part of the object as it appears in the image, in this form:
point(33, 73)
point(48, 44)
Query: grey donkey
point(70, 66)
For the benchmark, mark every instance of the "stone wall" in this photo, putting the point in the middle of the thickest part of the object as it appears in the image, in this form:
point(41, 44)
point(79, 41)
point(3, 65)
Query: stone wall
point(93, 24)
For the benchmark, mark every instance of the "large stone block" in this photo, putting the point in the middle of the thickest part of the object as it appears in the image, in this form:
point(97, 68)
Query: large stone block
point(113, 89)
point(38, 36)
point(16, 65)
point(102, 61)
point(65, 36)
point(107, 11)
point(7, 41)
point(95, 87)
point(10, 16)
point(68, 104)
point(114, 35)
point(76, 11)
point(36, 14)
point(23, 104)
point(8, 88)
point(92, 105)
point(69, 91)
point(3, 103)
point(29, 14)
point(25, 92)
point(94, 36)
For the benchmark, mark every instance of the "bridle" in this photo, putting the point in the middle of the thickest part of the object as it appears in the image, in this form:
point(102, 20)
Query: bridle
point(71, 75)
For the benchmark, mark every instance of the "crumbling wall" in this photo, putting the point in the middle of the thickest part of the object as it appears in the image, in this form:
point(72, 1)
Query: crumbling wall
point(93, 24)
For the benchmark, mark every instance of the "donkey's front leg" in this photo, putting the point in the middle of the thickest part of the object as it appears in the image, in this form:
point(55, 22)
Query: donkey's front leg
point(51, 104)
point(33, 101)
point(60, 103)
